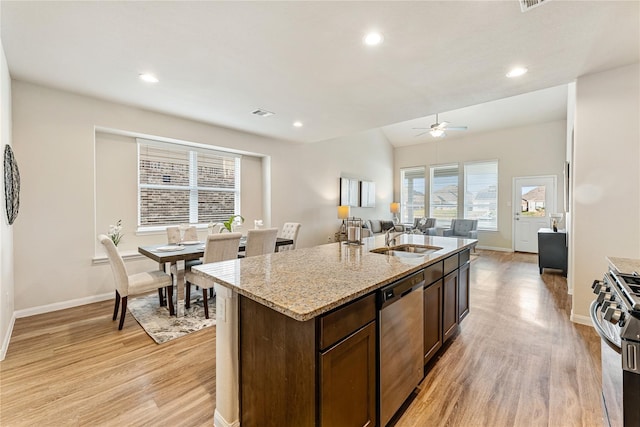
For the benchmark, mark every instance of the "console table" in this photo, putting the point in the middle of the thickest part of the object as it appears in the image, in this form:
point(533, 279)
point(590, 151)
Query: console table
point(552, 250)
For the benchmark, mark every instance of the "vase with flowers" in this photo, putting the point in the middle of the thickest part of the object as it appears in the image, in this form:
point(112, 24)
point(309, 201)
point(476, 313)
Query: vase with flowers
point(115, 232)
point(231, 222)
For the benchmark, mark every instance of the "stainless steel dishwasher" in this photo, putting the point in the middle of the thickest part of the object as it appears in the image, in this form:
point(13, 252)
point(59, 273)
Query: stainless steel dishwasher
point(400, 314)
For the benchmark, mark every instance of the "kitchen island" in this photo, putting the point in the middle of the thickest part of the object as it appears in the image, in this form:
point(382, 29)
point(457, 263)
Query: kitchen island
point(281, 317)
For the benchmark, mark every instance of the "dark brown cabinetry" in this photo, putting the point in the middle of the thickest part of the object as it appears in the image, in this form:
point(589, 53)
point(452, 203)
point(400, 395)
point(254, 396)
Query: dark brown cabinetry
point(318, 372)
point(450, 305)
point(463, 285)
point(348, 368)
point(432, 319)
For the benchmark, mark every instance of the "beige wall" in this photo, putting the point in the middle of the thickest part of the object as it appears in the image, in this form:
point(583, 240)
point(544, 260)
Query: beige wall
point(55, 235)
point(6, 231)
point(606, 177)
point(523, 151)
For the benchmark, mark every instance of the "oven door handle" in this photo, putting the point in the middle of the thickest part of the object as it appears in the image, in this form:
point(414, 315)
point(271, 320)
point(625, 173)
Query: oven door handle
point(593, 311)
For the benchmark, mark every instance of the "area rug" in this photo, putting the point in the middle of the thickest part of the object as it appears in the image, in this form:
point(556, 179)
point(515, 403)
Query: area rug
point(161, 327)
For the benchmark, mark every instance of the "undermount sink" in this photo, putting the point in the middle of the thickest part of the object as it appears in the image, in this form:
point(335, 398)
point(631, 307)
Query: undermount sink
point(408, 249)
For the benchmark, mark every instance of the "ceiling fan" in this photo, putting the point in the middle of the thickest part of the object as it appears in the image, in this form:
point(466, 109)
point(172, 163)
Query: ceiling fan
point(437, 129)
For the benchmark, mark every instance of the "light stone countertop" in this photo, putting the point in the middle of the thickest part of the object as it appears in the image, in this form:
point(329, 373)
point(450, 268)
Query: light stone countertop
point(307, 282)
point(624, 265)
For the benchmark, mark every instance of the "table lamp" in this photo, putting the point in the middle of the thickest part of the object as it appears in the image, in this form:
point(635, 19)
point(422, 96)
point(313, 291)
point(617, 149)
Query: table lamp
point(343, 213)
point(395, 209)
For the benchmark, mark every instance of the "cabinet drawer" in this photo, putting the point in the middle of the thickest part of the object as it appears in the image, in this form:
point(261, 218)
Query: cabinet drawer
point(344, 321)
point(433, 272)
point(450, 264)
point(464, 257)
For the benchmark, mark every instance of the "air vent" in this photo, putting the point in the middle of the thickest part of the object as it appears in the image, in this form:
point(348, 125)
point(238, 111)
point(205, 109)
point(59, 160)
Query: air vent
point(526, 5)
point(262, 113)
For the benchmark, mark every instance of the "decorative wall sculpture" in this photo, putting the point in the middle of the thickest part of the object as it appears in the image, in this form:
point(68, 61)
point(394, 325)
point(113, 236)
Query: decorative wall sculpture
point(11, 184)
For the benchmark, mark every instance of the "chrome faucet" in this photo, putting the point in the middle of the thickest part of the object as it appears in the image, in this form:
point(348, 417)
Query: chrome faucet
point(388, 239)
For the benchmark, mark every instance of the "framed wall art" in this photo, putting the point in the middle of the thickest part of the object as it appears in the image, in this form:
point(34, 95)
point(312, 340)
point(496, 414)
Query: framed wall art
point(349, 192)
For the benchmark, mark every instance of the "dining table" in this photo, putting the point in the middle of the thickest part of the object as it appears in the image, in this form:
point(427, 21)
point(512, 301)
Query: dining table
point(167, 255)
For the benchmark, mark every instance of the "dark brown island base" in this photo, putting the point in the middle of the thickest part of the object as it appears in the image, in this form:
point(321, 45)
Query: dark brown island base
point(334, 335)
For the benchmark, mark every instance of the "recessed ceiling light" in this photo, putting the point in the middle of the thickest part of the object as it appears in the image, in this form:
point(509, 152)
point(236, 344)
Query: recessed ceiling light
point(149, 78)
point(297, 124)
point(516, 72)
point(373, 38)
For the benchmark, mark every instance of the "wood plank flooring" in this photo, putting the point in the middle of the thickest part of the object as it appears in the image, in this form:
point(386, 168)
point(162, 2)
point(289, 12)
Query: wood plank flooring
point(517, 361)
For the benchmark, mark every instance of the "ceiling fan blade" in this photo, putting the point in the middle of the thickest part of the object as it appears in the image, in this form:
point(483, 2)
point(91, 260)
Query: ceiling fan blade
point(422, 133)
point(420, 128)
point(442, 125)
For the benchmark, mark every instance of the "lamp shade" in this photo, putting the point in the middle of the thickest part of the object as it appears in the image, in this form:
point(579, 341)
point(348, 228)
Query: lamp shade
point(343, 212)
point(394, 207)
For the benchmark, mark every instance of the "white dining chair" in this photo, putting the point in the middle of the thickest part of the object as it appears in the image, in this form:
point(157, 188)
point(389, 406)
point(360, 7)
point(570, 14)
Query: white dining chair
point(289, 231)
point(173, 235)
point(261, 241)
point(219, 247)
point(130, 284)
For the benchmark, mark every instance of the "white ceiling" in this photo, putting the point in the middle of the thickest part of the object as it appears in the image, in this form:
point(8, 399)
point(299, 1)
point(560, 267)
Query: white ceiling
point(219, 61)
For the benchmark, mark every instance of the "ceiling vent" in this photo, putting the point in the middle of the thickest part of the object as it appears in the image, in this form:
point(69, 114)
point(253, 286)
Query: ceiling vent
point(262, 113)
point(526, 5)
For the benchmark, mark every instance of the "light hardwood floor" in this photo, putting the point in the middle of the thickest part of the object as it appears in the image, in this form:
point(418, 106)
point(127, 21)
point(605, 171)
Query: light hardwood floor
point(517, 361)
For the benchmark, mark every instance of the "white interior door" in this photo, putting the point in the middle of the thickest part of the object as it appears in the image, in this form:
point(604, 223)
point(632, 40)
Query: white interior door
point(534, 198)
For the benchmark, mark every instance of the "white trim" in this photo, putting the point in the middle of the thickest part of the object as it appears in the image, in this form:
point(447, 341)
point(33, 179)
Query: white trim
point(62, 305)
point(492, 248)
point(7, 338)
point(580, 319)
point(219, 421)
point(127, 256)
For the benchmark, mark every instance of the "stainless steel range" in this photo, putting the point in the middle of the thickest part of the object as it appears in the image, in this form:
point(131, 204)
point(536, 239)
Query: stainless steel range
point(616, 316)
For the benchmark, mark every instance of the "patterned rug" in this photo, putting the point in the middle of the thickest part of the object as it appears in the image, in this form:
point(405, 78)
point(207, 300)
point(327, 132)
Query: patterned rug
point(161, 327)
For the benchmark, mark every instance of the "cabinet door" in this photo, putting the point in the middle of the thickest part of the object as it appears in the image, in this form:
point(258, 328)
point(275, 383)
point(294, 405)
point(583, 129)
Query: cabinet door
point(432, 319)
point(348, 381)
point(450, 305)
point(463, 291)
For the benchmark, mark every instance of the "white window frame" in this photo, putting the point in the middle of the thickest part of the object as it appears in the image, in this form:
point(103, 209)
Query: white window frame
point(405, 212)
point(440, 221)
point(468, 206)
point(193, 188)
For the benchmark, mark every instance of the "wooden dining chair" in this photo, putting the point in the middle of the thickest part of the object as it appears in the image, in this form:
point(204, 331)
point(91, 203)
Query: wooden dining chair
point(219, 247)
point(261, 241)
point(130, 284)
point(289, 231)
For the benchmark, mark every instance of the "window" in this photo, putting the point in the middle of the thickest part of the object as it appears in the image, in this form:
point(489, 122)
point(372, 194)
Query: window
point(443, 194)
point(478, 201)
point(481, 193)
point(185, 184)
point(412, 194)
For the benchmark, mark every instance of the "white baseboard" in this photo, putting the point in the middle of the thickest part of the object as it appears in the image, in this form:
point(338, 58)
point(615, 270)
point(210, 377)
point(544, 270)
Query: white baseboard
point(580, 319)
point(219, 421)
point(7, 338)
point(491, 248)
point(62, 305)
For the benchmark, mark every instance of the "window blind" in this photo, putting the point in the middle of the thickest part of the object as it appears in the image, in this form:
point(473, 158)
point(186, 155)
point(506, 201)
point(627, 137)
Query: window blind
point(184, 184)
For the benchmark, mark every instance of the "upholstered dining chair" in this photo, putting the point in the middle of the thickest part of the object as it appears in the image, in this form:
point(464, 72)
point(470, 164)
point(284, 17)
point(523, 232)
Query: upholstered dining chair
point(130, 284)
point(219, 247)
point(173, 234)
point(261, 241)
point(289, 231)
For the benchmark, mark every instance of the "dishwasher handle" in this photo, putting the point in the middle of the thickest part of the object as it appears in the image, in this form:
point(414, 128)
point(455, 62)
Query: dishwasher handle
point(395, 291)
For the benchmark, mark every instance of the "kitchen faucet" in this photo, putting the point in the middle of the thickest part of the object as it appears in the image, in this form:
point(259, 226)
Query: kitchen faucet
point(388, 239)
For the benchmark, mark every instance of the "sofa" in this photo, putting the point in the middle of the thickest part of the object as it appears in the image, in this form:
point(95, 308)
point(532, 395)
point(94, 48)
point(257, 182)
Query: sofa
point(373, 227)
